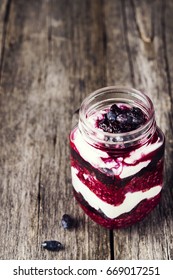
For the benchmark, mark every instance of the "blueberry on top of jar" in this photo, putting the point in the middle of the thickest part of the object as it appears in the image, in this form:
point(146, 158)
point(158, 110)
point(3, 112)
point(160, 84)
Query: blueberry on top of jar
point(121, 119)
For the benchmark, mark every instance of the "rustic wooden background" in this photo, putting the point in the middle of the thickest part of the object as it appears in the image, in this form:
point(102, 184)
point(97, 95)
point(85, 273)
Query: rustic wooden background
point(54, 53)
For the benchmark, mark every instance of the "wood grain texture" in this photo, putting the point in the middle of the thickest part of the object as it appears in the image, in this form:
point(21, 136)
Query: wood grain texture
point(4, 14)
point(144, 26)
point(53, 54)
point(41, 88)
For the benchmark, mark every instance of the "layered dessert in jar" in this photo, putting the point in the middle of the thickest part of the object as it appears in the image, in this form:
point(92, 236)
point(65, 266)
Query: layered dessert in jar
point(117, 154)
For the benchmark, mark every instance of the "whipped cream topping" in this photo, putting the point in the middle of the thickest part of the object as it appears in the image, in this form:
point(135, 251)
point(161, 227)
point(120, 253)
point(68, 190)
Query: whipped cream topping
point(112, 211)
point(122, 167)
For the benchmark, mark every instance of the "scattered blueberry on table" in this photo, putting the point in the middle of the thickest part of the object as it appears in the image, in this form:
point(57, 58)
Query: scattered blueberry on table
point(67, 222)
point(52, 245)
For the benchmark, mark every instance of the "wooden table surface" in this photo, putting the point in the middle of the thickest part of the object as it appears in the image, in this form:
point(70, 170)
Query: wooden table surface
point(53, 54)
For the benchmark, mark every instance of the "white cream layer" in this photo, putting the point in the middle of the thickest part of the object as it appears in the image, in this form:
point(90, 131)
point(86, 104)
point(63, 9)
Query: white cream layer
point(119, 166)
point(131, 199)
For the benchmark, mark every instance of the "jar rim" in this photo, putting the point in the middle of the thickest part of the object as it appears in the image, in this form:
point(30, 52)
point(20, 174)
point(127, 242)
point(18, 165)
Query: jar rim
point(124, 138)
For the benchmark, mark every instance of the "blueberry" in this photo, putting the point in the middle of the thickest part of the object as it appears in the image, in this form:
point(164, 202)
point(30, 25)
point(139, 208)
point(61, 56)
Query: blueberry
point(111, 116)
point(126, 127)
point(137, 111)
point(110, 129)
point(137, 116)
point(121, 119)
point(67, 221)
point(116, 128)
point(124, 118)
point(108, 171)
point(52, 245)
point(103, 125)
point(114, 108)
point(137, 121)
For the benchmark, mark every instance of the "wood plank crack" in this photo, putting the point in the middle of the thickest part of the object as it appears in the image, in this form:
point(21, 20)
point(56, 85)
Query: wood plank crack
point(167, 68)
point(111, 236)
point(104, 37)
point(127, 42)
point(142, 35)
point(4, 33)
point(39, 196)
point(167, 250)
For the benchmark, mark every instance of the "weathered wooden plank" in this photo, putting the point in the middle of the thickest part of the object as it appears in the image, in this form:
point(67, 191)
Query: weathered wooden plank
point(4, 14)
point(167, 210)
point(117, 62)
point(77, 59)
point(19, 186)
point(142, 39)
point(52, 59)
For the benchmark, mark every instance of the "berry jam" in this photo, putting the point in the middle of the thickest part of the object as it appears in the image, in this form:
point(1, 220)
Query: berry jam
point(117, 157)
point(121, 119)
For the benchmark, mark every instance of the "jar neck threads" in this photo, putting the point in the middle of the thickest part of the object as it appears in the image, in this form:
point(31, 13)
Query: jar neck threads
point(104, 98)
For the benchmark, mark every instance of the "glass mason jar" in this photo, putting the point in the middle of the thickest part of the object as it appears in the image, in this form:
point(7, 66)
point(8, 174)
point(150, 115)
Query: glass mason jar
point(117, 177)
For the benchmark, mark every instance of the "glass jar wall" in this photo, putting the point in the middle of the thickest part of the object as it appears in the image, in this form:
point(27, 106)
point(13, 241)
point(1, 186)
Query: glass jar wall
point(117, 175)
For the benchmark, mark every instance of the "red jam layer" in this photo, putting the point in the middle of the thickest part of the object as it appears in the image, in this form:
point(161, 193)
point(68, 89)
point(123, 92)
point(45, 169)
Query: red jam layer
point(112, 189)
